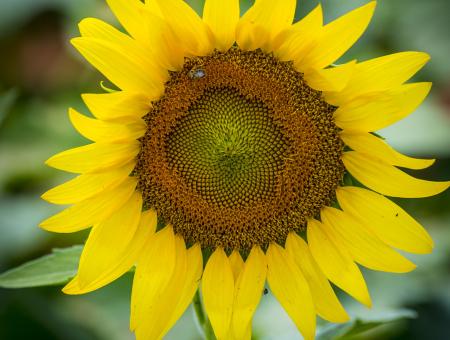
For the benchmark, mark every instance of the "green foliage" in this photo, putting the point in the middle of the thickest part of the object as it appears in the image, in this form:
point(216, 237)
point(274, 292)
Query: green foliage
point(54, 269)
point(356, 327)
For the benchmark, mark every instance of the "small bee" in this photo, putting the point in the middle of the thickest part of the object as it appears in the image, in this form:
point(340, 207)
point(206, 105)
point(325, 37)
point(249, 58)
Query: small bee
point(266, 291)
point(197, 72)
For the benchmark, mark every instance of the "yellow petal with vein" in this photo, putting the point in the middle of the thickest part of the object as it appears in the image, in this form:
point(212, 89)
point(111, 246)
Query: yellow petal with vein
point(160, 314)
point(161, 40)
point(191, 31)
point(122, 107)
point(154, 270)
point(364, 246)
point(335, 262)
point(294, 42)
point(91, 211)
point(96, 28)
point(248, 292)
point(375, 111)
point(150, 48)
point(85, 186)
point(108, 242)
point(222, 17)
point(289, 286)
point(190, 283)
point(380, 74)
point(325, 301)
point(386, 219)
point(237, 264)
point(374, 146)
point(337, 37)
point(330, 79)
point(145, 230)
point(263, 22)
point(218, 292)
point(94, 157)
point(388, 180)
point(102, 131)
point(127, 68)
point(128, 12)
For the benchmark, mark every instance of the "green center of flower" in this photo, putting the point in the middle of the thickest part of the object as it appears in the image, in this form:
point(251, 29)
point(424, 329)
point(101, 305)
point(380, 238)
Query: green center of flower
point(239, 151)
point(228, 148)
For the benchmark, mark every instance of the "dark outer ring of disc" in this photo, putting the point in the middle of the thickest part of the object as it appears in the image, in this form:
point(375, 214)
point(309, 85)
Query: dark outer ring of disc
point(311, 171)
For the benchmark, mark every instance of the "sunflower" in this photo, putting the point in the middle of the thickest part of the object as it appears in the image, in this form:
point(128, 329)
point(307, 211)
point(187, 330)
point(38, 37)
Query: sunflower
point(234, 152)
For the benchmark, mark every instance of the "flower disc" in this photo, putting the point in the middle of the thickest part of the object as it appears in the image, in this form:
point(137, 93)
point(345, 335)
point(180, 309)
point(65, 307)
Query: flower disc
point(239, 151)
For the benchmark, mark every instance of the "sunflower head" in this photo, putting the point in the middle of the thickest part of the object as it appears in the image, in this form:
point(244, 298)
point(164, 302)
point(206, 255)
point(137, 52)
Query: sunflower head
point(230, 136)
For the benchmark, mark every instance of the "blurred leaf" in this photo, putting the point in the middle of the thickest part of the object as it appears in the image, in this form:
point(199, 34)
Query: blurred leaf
point(56, 268)
point(357, 326)
point(7, 100)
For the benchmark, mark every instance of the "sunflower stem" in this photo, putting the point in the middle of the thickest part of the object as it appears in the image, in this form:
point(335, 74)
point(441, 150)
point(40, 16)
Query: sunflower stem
point(202, 319)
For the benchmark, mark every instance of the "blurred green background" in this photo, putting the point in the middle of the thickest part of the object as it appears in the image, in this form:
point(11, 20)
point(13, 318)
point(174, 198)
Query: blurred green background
point(41, 76)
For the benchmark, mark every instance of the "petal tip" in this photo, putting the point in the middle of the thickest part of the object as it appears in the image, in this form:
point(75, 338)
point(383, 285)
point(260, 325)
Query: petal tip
point(372, 4)
point(46, 196)
point(75, 42)
point(45, 224)
point(72, 288)
point(367, 301)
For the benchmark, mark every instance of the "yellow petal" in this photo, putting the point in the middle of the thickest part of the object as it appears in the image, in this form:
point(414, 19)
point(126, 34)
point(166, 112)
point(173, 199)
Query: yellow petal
point(374, 146)
point(364, 246)
point(91, 211)
point(218, 292)
point(248, 292)
point(237, 264)
point(311, 22)
point(335, 262)
point(154, 270)
point(102, 131)
point(388, 180)
point(149, 49)
point(380, 74)
point(263, 22)
point(386, 219)
point(85, 186)
point(118, 106)
point(222, 17)
point(107, 243)
point(190, 283)
point(294, 42)
point(330, 79)
point(156, 319)
point(96, 28)
point(376, 111)
point(128, 69)
point(191, 31)
point(128, 12)
point(337, 37)
point(161, 40)
point(94, 157)
point(153, 37)
point(325, 301)
point(289, 286)
point(145, 230)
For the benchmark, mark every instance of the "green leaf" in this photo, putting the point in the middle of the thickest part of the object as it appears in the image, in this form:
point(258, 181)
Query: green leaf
point(358, 326)
point(54, 269)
